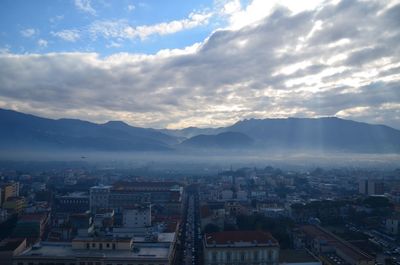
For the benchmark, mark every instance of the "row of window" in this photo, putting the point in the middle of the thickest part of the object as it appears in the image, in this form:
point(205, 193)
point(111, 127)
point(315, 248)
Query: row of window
point(94, 245)
point(80, 263)
point(242, 256)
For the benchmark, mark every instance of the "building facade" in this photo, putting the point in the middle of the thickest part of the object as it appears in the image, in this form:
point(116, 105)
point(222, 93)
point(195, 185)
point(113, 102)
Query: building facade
point(97, 251)
point(240, 248)
point(137, 216)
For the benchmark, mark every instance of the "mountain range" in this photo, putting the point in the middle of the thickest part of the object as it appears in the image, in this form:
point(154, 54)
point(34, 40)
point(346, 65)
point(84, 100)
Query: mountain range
point(19, 131)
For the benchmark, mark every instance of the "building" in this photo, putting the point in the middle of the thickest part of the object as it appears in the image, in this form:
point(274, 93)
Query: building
point(31, 226)
point(75, 202)
point(15, 204)
point(98, 251)
point(297, 257)
point(328, 246)
point(9, 189)
point(138, 215)
point(10, 248)
point(99, 197)
point(104, 218)
point(226, 195)
point(371, 187)
point(393, 225)
point(241, 248)
point(124, 194)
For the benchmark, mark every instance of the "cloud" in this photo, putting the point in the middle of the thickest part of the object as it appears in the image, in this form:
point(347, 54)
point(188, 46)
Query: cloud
point(256, 10)
point(70, 35)
point(42, 43)
point(85, 6)
point(130, 8)
point(56, 19)
point(29, 32)
point(124, 30)
point(290, 63)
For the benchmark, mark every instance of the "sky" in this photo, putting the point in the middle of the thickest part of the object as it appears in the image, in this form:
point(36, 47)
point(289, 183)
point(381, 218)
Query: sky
point(175, 64)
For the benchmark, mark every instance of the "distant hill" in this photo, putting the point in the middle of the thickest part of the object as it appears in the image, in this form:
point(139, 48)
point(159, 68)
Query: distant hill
point(192, 131)
point(223, 140)
point(24, 131)
point(322, 134)
point(28, 132)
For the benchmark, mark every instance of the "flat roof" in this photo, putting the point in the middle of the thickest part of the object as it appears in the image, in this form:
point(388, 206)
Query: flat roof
point(60, 250)
point(347, 248)
point(76, 194)
point(241, 238)
point(296, 256)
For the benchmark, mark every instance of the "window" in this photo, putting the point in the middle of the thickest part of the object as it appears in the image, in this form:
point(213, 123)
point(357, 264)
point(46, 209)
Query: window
point(100, 247)
point(214, 256)
point(93, 245)
point(242, 256)
point(256, 255)
point(269, 254)
point(87, 245)
point(228, 256)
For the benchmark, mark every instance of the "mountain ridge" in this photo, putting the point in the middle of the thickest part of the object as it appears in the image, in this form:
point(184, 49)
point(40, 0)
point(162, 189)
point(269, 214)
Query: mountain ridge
point(19, 130)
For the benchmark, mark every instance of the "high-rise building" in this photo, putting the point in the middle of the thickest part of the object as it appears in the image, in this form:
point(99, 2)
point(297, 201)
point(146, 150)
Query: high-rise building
point(371, 187)
point(125, 194)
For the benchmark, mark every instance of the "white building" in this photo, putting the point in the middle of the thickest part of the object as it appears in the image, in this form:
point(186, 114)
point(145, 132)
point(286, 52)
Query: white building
point(242, 195)
point(102, 250)
point(226, 195)
point(392, 225)
point(240, 248)
point(99, 197)
point(137, 216)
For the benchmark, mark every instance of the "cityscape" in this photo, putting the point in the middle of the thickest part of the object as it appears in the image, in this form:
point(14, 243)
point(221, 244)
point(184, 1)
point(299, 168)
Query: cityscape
point(243, 216)
point(209, 132)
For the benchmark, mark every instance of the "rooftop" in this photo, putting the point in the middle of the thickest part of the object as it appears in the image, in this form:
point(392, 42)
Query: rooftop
point(142, 251)
point(76, 194)
point(296, 256)
point(241, 238)
point(139, 185)
point(344, 246)
point(34, 217)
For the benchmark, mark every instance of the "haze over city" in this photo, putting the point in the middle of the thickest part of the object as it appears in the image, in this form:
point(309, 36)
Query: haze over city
point(211, 132)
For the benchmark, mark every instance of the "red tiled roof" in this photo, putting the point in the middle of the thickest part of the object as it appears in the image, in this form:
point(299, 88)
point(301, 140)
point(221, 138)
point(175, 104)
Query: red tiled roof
point(230, 237)
point(33, 217)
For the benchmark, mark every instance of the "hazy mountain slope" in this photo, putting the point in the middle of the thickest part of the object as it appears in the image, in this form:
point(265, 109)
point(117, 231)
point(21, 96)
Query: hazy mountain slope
point(23, 131)
point(18, 130)
point(321, 134)
point(223, 140)
point(192, 131)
